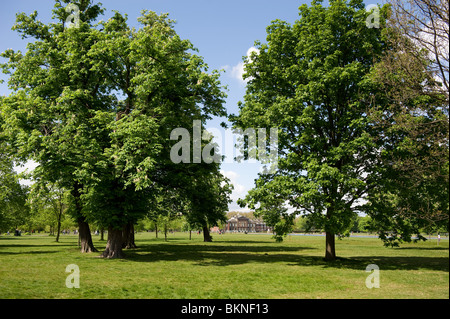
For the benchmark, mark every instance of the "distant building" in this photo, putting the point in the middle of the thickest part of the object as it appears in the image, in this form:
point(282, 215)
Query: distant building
point(243, 224)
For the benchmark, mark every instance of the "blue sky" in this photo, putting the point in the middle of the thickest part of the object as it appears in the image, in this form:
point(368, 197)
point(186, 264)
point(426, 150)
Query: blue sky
point(222, 31)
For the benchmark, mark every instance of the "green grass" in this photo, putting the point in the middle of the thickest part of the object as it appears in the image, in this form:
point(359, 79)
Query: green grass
point(233, 266)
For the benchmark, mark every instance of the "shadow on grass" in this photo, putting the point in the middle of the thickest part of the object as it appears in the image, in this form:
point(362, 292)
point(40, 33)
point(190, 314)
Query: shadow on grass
point(200, 241)
point(219, 255)
point(423, 248)
point(18, 246)
point(242, 242)
point(400, 262)
point(37, 252)
point(214, 248)
point(53, 244)
point(226, 253)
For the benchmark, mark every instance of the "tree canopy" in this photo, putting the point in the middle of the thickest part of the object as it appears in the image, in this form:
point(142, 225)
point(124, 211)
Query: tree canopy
point(360, 110)
point(413, 193)
point(347, 145)
point(94, 104)
point(310, 80)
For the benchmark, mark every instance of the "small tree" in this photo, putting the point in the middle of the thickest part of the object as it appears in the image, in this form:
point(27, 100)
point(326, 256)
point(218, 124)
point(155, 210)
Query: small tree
point(14, 209)
point(50, 201)
point(209, 199)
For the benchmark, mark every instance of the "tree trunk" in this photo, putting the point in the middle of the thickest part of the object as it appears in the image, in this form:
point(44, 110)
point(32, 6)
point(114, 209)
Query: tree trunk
point(114, 244)
point(165, 232)
point(128, 236)
point(102, 234)
point(58, 230)
point(84, 233)
point(206, 236)
point(330, 252)
point(60, 211)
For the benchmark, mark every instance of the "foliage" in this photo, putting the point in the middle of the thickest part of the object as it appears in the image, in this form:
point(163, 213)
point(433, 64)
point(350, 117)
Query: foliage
point(94, 105)
point(49, 205)
point(311, 81)
point(209, 197)
point(413, 193)
point(14, 209)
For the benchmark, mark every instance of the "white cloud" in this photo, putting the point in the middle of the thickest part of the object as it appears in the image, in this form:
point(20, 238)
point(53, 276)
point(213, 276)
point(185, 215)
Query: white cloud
point(28, 167)
point(240, 191)
point(237, 71)
point(250, 51)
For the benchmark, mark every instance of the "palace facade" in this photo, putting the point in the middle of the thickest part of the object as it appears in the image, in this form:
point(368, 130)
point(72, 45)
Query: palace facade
point(243, 224)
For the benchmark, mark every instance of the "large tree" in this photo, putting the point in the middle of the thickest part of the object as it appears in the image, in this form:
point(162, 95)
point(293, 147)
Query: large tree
point(164, 86)
point(310, 81)
point(413, 195)
point(56, 92)
point(94, 105)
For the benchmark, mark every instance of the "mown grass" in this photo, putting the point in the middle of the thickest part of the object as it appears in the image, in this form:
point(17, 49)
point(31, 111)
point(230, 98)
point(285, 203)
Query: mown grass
point(233, 266)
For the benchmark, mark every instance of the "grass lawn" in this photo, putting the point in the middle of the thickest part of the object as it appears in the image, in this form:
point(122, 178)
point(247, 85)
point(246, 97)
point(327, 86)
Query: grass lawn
point(233, 266)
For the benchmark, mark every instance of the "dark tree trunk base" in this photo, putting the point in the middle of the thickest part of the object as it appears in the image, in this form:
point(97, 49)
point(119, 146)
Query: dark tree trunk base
point(114, 244)
point(85, 238)
point(206, 236)
point(330, 252)
point(128, 236)
point(129, 246)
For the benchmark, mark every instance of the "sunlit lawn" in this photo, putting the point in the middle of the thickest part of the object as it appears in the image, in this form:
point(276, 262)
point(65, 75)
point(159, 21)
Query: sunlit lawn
point(233, 266)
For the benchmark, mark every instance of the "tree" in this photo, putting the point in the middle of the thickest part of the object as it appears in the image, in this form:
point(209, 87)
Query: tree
point(277, 217)
point(426, 24)
point(169, 206)
point(311, 81)
point(56, 92)
point(164, 87)
point(304, 224)
point(14, 209)
point(209, 198)
point(413, 193)
point(51, 202)
point(94, 105)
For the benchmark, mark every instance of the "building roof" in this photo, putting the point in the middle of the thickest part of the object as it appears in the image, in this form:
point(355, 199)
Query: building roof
point(241, 218)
